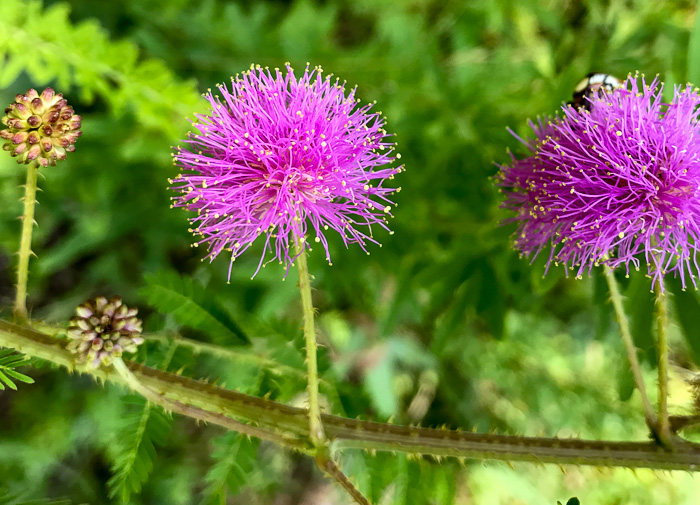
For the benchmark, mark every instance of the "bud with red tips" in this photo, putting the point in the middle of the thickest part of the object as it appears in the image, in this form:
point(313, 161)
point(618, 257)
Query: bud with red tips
point(40, 127)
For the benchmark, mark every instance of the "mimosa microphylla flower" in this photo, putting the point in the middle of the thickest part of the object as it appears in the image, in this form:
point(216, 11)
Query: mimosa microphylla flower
point(102, 330)
point(285, 157)
point(619, 184)
point(40, 127)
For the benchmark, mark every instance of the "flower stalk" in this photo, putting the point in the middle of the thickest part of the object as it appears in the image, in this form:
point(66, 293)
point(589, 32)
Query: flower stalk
point(25, 244)
point(315, 425)
point(37, 130)
point(664, 427)
point(623, 322)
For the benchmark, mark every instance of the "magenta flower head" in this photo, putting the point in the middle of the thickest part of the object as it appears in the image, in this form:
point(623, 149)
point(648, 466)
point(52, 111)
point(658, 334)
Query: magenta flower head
point(618, 185)
point(285, 157)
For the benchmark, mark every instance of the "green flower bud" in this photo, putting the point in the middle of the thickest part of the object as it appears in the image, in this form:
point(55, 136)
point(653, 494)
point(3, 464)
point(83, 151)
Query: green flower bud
point(102, 330)
point(40, 128)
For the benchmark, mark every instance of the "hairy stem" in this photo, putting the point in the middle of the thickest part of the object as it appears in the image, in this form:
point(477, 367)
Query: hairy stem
point(225, 407)
point(331, 469)
point(25, 244)
point(188, 410)
point(197, 347)
point(664, 427)
point(616, 299)
point(315, 425)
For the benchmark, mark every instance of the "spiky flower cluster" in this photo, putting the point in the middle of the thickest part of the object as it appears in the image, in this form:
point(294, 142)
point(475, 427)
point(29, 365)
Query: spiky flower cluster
point(40, 128)
point(284, 157)
point(102, 330)
point(619, 184)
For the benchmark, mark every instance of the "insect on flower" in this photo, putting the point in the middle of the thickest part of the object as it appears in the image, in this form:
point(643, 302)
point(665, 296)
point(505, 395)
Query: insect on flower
point(591, 86)
point(619, 185)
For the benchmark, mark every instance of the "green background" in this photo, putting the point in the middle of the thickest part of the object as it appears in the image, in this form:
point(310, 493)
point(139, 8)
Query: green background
point(445, 312)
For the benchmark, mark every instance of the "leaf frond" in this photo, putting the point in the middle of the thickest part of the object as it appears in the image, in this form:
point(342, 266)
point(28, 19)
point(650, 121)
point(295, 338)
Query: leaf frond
point(142, 429)
point(9, 361)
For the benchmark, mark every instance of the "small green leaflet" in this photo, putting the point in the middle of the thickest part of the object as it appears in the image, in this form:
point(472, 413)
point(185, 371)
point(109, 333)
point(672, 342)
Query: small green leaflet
point(143, 428)
point(235, 459)
point(9, 360)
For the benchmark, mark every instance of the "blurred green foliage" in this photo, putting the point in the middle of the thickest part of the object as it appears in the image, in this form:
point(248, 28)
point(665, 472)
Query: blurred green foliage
point(445, 314)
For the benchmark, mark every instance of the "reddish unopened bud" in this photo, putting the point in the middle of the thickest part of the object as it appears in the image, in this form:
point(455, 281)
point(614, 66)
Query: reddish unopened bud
point(22, 110)
point(34, 152)
point(37, 104)
point(43, 119)
point(19, 137)
point(47, 95)
point(102, 330)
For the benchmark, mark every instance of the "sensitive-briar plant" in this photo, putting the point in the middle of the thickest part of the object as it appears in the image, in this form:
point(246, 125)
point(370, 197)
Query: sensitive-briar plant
point(284, 156)
point(618, 184)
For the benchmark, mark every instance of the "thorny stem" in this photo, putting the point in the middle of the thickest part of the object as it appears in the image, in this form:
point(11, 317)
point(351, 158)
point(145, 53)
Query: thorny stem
point(25, 244)
point(209, 403)
point(188, 410)
point(679, 423)
point(664, 429)
point(315, 426)
point(616, 299)
point(331, 469)
point(196, 346)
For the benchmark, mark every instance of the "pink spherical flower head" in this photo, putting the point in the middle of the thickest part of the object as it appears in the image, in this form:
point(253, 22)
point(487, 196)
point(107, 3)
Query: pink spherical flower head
point(284, 157)
point(618, 185)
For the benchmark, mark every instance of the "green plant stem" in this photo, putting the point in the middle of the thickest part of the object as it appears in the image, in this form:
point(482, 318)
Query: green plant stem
point(678, 423)
point(196, 346)
point(25, 244)
point(188, 410)
point(664, 427)
point(223, 407)
point(616, 299)
point(315, 426)
point(331, 469)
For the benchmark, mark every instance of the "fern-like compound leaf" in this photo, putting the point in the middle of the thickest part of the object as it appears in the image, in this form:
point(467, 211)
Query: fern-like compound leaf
point(142, 429)
point(9, 361)
point(235, 459)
